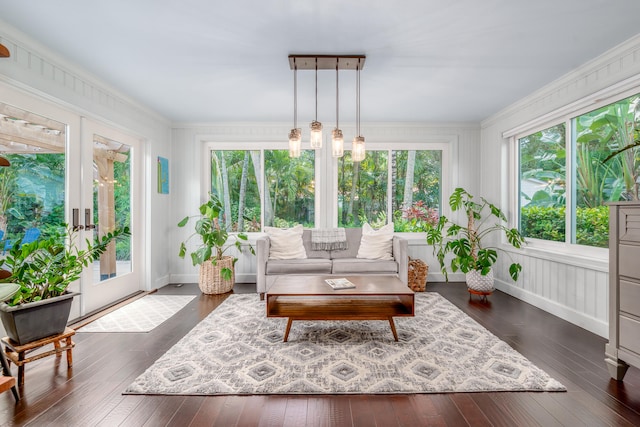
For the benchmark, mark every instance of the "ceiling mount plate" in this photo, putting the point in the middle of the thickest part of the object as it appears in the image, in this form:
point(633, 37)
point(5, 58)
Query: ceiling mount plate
point(326, 62)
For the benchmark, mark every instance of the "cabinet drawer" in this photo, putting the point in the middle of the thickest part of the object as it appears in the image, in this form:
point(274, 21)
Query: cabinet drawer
point(630, 334)
point(628, 264)
point(630, 297)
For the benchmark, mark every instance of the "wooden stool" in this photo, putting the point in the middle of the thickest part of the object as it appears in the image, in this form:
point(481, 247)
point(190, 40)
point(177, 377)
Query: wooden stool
point(16, 353)
point(6, 380)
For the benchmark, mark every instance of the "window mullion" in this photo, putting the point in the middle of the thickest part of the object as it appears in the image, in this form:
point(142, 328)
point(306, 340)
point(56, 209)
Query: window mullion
point(570, 212)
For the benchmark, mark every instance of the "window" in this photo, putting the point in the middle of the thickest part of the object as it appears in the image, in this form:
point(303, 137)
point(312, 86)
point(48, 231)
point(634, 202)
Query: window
point(562, 206)
point(542, 184)
point(362, 190)
point(417, 189)
point(289, 183)
point(595, 136)
point(265, 187)
point(413, 193)
point(291, 188)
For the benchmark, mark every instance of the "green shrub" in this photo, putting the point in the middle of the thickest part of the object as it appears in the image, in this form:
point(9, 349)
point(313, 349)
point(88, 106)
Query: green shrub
point(548, 223)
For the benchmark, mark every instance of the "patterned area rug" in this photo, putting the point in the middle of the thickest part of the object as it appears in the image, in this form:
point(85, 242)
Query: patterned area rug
point(142, 315)
point(237, 350)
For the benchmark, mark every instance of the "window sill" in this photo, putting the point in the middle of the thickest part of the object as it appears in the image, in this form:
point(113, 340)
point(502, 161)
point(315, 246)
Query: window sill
point(575, 255)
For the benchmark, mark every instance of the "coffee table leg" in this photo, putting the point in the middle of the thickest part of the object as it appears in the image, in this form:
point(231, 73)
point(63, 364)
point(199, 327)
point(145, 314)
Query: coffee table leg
point(286, 332)
point(393, 328)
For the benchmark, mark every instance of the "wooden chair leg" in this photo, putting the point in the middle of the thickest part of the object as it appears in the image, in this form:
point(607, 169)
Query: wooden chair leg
point(69, 352)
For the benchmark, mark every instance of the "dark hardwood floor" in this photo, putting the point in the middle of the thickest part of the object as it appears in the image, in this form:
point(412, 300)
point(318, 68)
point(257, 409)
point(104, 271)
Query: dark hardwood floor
point(89, 394)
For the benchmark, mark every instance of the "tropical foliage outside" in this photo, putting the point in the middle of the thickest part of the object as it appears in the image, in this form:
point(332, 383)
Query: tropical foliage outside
point(32, 195)
point(598, 180)
point(362, 188)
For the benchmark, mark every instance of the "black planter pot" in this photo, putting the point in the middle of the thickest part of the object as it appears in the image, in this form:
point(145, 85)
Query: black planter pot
point(35, 320)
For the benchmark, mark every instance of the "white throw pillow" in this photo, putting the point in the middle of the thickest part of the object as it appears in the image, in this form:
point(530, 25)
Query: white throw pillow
point(376, 244)
point(286, 243)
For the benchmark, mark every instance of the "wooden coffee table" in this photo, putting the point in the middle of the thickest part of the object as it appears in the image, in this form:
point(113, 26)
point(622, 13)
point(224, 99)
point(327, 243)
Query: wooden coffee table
point(311, 298)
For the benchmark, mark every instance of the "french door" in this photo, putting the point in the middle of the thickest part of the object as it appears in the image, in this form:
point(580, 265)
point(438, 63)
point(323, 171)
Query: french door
point(68, 169)
point(111, 197)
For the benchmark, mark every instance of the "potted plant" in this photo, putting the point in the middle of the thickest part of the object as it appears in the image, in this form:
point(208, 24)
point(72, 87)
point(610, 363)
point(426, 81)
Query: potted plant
point(42, 271)
point(216, 269)
point(467, 242)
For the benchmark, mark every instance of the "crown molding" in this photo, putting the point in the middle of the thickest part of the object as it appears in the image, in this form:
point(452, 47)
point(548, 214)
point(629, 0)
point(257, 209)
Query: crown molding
point(614, 65)
point(31, 55)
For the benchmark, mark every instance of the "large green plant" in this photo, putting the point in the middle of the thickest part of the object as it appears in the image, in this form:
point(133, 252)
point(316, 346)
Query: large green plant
point(214, 240)
point(466, 243)
point(46, 267)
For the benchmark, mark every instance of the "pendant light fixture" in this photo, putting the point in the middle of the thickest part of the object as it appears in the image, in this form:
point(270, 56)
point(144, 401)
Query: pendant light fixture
point(316, 126)
point(326, 62)
point(337, 140)
point(357, 149)
point(295, 135)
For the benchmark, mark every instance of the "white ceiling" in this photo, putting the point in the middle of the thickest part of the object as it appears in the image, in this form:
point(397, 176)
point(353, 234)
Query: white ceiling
point(427, 60)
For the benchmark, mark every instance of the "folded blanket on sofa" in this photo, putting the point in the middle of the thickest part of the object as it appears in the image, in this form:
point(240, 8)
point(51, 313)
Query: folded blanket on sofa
point(328, 239)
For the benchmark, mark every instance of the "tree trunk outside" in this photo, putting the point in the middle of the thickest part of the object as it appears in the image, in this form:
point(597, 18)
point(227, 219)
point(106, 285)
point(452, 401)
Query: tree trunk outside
point(243, 190)
point(225, 194)
point(354, 188)
point(407, 200)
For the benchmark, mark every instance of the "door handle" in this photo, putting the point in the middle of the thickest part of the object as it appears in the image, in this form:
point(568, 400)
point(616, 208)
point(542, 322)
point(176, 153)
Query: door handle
point(75, 215)
point(87, 220)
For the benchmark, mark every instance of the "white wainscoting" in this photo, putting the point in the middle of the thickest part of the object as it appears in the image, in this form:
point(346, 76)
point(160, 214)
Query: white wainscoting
point(576, 292)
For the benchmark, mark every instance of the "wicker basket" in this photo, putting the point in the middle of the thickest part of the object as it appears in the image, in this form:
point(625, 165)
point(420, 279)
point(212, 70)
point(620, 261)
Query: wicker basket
point(417, 274)
point(211, 281)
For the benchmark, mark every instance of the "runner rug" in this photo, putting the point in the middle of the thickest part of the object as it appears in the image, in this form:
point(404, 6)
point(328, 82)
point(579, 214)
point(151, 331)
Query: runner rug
point(142, 315)
point(237, 350)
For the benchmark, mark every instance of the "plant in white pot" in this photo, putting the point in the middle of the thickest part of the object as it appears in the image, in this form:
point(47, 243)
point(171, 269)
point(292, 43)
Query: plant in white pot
point(216, 268)
point(463, 248)
point(40, 272)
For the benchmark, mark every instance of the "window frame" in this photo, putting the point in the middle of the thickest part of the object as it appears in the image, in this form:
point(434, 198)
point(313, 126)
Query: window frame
point(209, 145)
point(327, 166)
point(446, 186)
point(566, 114)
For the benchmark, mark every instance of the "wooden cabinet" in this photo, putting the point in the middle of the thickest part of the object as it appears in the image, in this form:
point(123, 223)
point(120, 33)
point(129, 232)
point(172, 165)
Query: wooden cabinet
point(623, 348)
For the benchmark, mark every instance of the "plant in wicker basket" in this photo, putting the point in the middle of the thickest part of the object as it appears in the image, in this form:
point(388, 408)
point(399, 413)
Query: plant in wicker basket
point(465, 243)
point(216, 269)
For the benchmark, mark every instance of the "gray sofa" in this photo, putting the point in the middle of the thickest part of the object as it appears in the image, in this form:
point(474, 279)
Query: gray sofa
point(330, 263)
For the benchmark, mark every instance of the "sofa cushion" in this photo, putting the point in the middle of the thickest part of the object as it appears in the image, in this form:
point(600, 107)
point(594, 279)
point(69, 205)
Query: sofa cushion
point(362, 266)
point(376, 244)
point(299, 266)
point(353, 243)
point(286, 243)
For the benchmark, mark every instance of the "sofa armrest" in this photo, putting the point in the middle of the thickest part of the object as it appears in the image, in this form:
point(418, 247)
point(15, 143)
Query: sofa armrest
point(401, 255)
point(263, 245)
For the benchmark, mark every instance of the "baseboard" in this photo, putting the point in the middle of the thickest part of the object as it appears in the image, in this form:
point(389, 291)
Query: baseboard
point(589, 323)
point(193, 278)
point(162, 281)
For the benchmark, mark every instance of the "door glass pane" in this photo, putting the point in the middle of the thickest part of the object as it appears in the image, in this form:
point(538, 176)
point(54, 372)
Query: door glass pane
point(362, 190)
point(111, 204)
point(32, 187)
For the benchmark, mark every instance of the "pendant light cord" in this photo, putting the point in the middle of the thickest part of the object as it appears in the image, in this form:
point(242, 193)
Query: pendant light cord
point(316, 89)
point(295, 95)
point(337, 96)
point(358, 99)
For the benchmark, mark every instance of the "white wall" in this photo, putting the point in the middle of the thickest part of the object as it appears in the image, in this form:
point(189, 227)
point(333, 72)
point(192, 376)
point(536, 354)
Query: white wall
point(42, 74)
point(190, 160)
point(571, 285)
